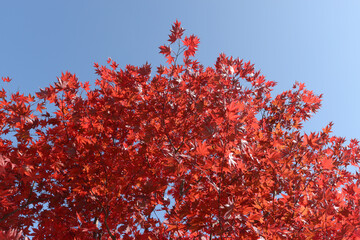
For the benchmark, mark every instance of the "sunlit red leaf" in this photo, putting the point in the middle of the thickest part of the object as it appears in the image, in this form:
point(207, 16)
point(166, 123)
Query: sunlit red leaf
point(327, 163)
point(176, 32)
point(6, 79)
point(191, 43)
point(202, 148)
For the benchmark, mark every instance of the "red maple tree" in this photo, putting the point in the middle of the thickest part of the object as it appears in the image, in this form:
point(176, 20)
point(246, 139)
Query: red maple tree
point(189, 153)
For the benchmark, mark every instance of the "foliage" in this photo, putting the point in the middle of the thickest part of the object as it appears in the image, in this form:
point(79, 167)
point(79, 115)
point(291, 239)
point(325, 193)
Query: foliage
point(190, 153)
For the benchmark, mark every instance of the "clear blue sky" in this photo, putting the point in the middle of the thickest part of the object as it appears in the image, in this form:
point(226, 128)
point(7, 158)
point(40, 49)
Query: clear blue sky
point(315, 42)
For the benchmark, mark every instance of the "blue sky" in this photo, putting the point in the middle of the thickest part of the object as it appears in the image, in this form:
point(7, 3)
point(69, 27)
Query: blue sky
point(315, 42)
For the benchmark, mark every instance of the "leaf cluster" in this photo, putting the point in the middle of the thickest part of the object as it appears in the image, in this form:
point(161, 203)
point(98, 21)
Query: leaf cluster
point(189, 153)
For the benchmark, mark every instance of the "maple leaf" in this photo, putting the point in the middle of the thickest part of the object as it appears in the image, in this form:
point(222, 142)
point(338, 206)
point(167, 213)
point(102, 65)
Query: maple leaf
point(191, 43)
point(4, 161)
point(40, 107)
point(145, 70)
point(327, 163)
point(176, 32)
point(6, 79)
point(202, 148)
point(327, 129)
point(11, 234)
point(79, 217)
point(167, 52)
point(231, 160)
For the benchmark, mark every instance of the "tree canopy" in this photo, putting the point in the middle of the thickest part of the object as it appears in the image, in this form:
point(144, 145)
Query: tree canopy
point(191, 152)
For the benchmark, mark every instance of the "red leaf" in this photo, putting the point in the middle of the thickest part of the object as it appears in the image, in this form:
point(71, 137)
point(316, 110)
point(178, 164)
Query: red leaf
point(6, 79)
point(327, 129)
point(167, 52)
point(192, 43)
point(79, 217)
point(202, 148)
point(11, 234)
point(327, 163)
point(236, 106)
point(176, 32)
point(40, 107)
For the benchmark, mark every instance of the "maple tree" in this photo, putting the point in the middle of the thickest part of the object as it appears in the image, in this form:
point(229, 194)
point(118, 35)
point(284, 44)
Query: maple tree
point(189, 153)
